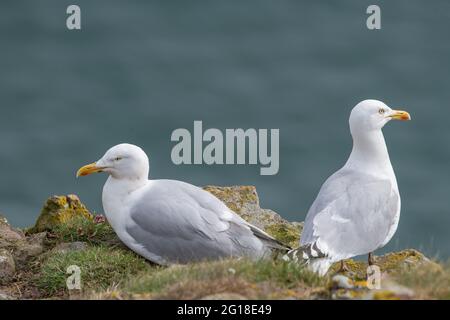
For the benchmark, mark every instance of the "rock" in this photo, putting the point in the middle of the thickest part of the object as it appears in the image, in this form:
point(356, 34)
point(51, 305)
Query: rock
point(32, 247)
point(342, 282)
point(244, 201)
point(18, 244)
point(8, 235)
point(343, 288)
point(346, 288)
point(388, 263)
point(389, 291)
point(7, 266)
point(59, 209)
point(406, 258)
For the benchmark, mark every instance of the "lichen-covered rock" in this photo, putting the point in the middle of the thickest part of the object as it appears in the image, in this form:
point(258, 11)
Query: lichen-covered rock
point(340, 281)
point(389, 291)
point(353, 284)
point(244, 201)
point(7, 266)
point(390, 262)
point(343, 288)
point(58, 210)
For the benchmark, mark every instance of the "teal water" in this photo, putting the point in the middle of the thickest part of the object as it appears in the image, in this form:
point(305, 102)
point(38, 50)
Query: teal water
point(140, 69)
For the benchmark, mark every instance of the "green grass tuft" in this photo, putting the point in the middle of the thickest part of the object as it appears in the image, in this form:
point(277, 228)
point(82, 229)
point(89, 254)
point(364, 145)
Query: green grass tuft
point(100, 268)
point(80, 228)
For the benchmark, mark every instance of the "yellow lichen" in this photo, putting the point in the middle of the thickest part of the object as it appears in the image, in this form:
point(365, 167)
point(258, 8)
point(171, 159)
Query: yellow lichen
point(385, 295)
point(388, 263)
point(235, 197)
point(285, 233)
point(58, 210)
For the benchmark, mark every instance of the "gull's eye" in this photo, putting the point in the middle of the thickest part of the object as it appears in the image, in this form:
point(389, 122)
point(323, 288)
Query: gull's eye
point(117, 159)
point(381, 111)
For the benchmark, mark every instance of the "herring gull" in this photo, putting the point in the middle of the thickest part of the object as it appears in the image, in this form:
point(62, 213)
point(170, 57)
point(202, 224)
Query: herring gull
point(169, 221)
point(357, 209)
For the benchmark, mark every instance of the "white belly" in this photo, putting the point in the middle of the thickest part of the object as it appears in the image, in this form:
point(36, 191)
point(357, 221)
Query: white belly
point(394, 224)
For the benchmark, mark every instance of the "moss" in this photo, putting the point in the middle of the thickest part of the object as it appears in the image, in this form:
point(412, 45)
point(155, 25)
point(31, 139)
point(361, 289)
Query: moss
point(100, 268)
point(344, 294)
point(58, 210)
point(389, 263)
point(286, 233)
point(244, 201)
point(235, 197)
point(385, 295)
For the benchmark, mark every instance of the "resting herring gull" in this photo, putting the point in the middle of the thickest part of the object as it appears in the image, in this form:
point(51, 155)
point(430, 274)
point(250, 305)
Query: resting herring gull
point(169, 221)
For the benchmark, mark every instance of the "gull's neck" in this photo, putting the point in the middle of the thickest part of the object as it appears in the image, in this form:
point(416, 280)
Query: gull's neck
point(370, 153)
point(116, 193)
point(124, 187)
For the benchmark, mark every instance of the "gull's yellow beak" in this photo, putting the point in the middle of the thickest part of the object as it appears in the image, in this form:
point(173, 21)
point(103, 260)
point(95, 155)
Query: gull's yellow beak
point(89, 169)
point(400, 115)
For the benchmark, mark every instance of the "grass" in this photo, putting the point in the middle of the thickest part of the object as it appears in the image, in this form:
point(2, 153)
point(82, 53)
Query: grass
point(100, 268)
point(261, 279)
point(107, 267)
point(80, 228)
point(110, 271)
point(427, 282)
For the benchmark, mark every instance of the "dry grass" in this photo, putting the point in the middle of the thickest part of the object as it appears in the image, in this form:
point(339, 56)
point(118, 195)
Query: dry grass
point(427, 281)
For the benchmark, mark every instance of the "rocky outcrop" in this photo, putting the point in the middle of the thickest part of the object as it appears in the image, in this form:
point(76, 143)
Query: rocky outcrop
point(31, 246)
point(244, 201)
point(388, 263)
point(22, 247)
point(16, 249)
point(58, 210)
point(8, 235)
point(7, 266)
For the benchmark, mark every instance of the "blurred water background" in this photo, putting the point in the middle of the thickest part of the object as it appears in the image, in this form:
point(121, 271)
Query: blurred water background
point(140, 69)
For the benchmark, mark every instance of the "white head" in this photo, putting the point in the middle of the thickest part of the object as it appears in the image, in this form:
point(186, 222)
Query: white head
point(372, 115)
point(123, 161)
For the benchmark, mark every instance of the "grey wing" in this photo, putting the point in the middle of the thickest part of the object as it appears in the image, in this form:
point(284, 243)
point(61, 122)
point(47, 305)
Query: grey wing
point(352, 215)
point(181, 223)
point(212, 203)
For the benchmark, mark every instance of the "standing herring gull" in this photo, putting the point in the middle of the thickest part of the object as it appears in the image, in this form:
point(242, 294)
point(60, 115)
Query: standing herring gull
point(169, 221)
point(357, 209)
